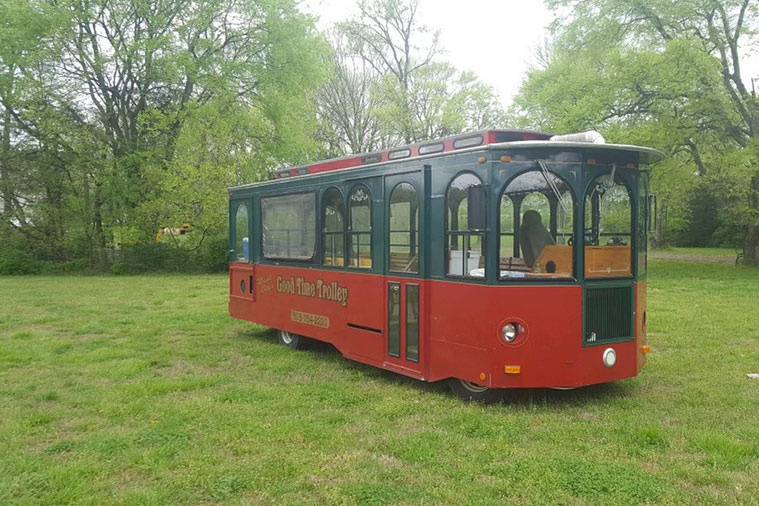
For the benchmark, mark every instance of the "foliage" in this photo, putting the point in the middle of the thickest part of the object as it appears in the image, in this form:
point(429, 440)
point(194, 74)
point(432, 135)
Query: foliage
point(442, 101)
point(123, 121)
point(110, 396)
point(121, 118)
point(666, 75)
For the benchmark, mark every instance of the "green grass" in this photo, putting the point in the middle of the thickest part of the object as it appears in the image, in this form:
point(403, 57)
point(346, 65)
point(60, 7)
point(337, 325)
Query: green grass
point(142, 390)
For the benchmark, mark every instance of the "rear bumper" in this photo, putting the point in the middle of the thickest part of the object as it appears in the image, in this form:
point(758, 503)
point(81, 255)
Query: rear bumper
point(543, 369)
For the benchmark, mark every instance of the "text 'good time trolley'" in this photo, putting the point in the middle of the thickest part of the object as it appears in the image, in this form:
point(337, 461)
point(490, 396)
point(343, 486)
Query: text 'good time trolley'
point(497, 259)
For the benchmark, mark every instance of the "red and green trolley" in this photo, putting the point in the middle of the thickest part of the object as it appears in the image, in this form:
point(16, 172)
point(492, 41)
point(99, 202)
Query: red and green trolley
point(494, 260)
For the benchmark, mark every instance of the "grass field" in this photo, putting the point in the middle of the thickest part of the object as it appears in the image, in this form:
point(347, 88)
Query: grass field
point(697, 255)
point(142, 390)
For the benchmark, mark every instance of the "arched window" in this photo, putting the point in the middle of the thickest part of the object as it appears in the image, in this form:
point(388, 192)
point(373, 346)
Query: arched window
point(536, 227)
point(608, 228)
point(403, 233)
point(242, 237)
point(360, 234)
point(466, 204)
point(333, 223)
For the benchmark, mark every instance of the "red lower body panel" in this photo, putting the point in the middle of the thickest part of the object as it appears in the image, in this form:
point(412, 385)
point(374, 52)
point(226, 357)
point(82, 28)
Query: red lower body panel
point(459, 325)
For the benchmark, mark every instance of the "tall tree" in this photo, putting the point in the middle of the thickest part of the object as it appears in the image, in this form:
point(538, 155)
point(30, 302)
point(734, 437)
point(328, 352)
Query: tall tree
point(414, 95)
point(347, 104)
point(25, 33)
point(665, 73)
point(388, 36)
point(719, 28)
point(98, 120)
point(442, 101)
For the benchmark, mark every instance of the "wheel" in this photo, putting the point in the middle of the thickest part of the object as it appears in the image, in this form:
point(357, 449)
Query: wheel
point(468, 391)
point(293, 341)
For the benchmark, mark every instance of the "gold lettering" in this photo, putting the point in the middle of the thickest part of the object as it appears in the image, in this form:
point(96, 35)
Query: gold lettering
point(331, 291)
point(314, 320)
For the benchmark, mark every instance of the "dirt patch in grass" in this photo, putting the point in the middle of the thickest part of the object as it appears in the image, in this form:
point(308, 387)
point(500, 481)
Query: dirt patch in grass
point(694, 256)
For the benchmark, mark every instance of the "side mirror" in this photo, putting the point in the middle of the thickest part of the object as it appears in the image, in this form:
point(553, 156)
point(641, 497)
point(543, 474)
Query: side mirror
point(477, 207)
point(651, 214)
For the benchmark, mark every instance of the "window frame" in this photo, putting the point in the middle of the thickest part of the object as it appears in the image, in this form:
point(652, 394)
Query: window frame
point(262, 250)
point(466, 233)
point(350, 232)
point(517, 210)
point(236, 203)
point(624, 177)
point(322, 224)
point(415, 244)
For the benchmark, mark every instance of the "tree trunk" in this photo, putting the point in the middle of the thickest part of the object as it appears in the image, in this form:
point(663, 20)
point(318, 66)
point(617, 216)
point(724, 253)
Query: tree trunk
point(751, 246)
point(751, 241)
point(5, 152)
point(660, 239)
point(99, 235)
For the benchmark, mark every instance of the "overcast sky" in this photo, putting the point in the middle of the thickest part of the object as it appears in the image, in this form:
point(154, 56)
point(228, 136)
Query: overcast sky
point(496, 39)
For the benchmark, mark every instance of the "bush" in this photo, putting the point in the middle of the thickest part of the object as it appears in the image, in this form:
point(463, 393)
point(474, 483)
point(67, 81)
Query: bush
point(211, 256)
point(21, 255)
point(714, 216)
point(150, 257)
point(16, 255)
point(17, 262)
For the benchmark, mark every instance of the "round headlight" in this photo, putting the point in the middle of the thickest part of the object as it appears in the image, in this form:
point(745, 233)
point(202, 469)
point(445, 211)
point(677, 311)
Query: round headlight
point(609, 357)
point(510, 331)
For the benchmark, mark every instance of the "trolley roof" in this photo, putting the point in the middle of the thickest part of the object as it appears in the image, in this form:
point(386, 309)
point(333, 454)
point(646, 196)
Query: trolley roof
point(488, 139)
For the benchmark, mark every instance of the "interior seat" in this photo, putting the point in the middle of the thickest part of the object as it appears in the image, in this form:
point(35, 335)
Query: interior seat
point(533, 236)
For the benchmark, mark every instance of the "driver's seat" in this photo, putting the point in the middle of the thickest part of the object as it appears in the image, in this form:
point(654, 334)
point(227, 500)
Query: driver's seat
point(533, 236)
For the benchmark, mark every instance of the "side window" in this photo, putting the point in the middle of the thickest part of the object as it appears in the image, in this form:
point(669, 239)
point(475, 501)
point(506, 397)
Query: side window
point(536, 227)
point(289, 226)
point(242, 239)
point(466, 207)
point(360, 234)
point(608, 229)
point(333, 223)
point(404, 232)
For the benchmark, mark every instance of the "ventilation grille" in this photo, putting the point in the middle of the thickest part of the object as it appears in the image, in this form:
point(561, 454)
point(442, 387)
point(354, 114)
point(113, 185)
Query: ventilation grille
point(608, 314)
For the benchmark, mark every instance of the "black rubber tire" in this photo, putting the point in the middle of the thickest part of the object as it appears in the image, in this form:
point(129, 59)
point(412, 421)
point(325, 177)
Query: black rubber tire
point(467, 391)
point(292, 341)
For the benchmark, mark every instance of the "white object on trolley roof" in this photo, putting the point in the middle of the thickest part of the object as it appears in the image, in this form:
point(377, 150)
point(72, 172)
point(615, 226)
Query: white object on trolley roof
point(591, 136)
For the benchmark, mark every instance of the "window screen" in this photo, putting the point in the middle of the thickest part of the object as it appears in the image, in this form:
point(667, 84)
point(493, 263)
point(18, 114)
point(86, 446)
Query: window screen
point(289, 226)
